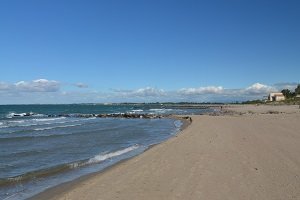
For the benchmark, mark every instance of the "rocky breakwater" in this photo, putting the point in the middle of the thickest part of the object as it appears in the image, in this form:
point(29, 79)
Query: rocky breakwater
point(114, 115)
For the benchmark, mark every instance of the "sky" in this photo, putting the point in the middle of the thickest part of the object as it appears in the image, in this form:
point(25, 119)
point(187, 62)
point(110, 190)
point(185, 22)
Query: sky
point(96, 51)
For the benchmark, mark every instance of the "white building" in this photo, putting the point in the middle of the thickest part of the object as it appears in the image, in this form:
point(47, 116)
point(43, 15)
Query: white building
point(276, 96)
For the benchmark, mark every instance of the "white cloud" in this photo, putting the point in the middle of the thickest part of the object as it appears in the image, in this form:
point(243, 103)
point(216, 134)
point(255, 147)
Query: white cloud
point(142, 92)
point(220, 94)
point(4, 86)
point(51, 91)
point(148, 91)
point(202, 90)
point(39, 85)
point(259, 88)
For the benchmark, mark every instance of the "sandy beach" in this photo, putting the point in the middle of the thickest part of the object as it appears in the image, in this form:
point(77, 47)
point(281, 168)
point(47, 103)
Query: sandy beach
point(250, 152)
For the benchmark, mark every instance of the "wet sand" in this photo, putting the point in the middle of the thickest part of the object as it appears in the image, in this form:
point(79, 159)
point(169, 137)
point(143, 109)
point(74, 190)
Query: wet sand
point(249, 152)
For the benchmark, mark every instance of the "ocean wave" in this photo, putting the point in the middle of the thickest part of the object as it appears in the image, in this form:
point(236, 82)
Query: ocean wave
point(33, 175)
point(36, 122)
point(160, 110)
point(13, 114)
point(138, 110)
point(63, 122)
point(64, 167)
point(89, 118)
point(49, 119)
point(102, 157)
point(26, 137)
point(23, 153)
point(17, 121)
point(27, 125)
point(48, 123)
point(49, 128)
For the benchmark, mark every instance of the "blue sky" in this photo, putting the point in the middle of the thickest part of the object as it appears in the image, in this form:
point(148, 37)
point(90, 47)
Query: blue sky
point(75, 51)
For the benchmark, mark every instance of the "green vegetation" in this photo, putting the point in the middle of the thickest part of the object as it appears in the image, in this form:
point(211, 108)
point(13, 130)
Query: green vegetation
point(289, 95)
point(257, 101)
point(297, 90)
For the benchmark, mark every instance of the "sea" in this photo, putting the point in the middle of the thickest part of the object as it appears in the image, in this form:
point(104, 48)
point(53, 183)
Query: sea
point(42, 146)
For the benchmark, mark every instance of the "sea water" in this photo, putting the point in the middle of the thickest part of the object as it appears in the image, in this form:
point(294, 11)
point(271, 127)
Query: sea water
point(41, 148)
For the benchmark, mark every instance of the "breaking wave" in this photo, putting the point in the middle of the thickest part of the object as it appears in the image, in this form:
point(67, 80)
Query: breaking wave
point(102, 157)
point(65, 167)
point(49, 128)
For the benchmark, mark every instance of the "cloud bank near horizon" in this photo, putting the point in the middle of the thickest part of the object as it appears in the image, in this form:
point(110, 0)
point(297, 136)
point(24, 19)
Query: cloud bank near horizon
point(53, 91)
point(39, 85)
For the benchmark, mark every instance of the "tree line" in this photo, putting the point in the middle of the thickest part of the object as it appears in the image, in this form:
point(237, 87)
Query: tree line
point(289, 94)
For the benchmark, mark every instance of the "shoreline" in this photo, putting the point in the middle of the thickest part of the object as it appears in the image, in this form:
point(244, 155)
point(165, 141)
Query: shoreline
point(60, 188)
point(129, 177)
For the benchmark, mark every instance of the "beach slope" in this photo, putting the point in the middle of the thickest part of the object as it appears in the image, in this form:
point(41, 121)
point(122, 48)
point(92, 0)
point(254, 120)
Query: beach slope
point(236, 156)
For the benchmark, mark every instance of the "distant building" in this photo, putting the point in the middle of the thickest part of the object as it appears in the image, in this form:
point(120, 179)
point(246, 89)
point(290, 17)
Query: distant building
point(276, 96)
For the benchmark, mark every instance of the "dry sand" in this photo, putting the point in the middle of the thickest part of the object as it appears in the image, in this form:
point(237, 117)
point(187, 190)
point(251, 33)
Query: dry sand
point(247, 155)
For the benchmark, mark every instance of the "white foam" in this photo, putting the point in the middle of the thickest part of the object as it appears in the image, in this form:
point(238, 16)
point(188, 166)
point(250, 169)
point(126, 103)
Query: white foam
point(178, 123)
point(2, 125)
point(27, 125)
point(49, 119)
point(12, 114)
point(39, 115)
point(138, 110)
point(90, 118)
point(17, 121)
point(160, 110)
point(48, 123)
point(102, 157)
point(49, 128)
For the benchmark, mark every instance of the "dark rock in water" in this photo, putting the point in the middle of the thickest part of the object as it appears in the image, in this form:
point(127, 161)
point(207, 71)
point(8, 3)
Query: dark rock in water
point(85, 115)
point(114, 115)
point(23, 114)
point(101, 115)
point(129, 115)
